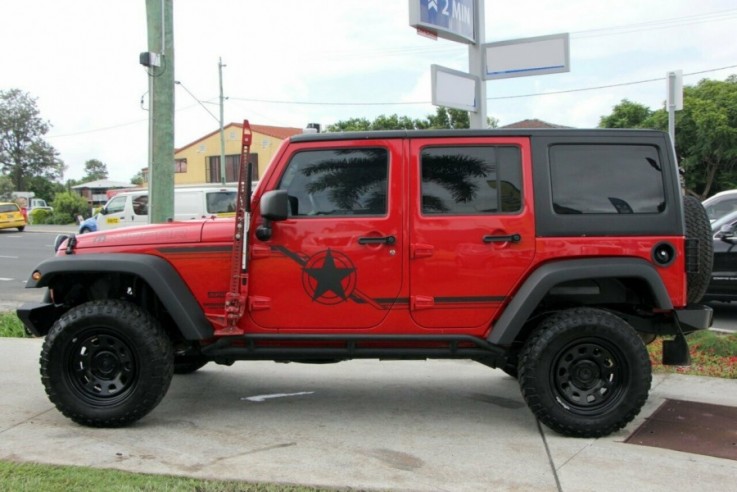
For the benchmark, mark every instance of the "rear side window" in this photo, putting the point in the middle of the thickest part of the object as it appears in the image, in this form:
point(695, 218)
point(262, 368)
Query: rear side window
point(221, 202)
point(338, 182)
point(471, 180)
point(606, 179)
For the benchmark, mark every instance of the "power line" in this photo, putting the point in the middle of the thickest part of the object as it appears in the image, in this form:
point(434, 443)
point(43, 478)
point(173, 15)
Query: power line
point(198, 101)
point(406, 103)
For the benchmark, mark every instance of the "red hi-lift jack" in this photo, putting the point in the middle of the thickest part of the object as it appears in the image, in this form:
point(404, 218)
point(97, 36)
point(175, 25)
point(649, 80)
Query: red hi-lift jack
point(235, 298)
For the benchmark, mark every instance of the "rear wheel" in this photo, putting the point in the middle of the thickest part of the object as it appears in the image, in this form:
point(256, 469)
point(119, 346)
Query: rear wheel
point(21, 228)
point(106, 363)
point(585, 373)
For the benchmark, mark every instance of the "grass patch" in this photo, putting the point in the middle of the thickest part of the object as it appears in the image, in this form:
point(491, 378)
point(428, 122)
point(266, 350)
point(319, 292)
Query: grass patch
point(51, 478)
point(10, 326)
point(713, 354)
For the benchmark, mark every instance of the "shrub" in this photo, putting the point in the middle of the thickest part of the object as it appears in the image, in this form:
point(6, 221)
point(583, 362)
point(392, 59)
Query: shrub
point(40, 216)
point(67, 206)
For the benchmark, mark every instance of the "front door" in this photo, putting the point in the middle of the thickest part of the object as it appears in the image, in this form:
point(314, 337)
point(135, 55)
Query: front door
point(472, 233)
point(336, 262)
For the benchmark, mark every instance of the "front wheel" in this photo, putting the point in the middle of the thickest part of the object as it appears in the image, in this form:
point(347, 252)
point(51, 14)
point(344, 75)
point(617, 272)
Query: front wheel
point(106, 363)
point(585, 373)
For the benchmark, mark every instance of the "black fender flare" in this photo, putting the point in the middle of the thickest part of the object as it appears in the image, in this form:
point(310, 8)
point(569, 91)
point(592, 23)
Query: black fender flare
point(158, 273)
point(539, 283)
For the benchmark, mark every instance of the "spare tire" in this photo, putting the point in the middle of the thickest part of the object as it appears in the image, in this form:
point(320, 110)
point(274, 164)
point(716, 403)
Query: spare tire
point(699, 249)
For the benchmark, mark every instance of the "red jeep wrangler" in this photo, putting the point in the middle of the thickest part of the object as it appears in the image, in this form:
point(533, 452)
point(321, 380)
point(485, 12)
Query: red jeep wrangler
point(555, 255)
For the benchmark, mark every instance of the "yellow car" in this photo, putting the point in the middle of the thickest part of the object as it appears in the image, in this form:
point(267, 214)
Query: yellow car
point(11, 216)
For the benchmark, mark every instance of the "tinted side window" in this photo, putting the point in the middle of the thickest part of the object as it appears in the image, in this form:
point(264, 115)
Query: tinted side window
point(140, 205)
point(471, 180)
point(606, 179)
point(337, 182)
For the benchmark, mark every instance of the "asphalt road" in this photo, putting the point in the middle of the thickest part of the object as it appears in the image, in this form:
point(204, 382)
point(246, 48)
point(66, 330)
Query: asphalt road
point(20, 252)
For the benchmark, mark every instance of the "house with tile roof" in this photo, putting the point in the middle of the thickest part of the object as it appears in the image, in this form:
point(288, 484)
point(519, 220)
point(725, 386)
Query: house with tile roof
point(199, 162)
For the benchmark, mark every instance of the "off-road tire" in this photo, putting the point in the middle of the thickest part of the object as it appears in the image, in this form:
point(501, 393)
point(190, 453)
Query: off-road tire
point(585, 372)
point(106, 363)
point(84, 230)
point(698, 227)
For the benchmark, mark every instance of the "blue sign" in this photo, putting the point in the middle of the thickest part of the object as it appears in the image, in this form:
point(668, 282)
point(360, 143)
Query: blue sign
point(449, 19)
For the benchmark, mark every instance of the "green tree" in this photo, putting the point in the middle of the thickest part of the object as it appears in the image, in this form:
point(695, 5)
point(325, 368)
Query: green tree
point(626, 114)
point(23, 151)
point(6, 188)
point(44, 188)
point(137, 179)
point(94, 170)
point(443, 118)
point(351, 125)
point(706, 135)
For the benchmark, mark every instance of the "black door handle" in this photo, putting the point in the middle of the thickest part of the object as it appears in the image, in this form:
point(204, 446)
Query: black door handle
point(377, 240)
point(512, 238)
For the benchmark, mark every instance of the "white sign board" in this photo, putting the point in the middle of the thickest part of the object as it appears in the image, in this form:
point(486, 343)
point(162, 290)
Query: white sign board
point(675, 89)
point(454, 89)
point(528, 56)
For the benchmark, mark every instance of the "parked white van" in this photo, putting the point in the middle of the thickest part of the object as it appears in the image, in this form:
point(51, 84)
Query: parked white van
point(131, 207)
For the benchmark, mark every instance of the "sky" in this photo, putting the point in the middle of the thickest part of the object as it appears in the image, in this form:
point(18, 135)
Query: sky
point(293, 62)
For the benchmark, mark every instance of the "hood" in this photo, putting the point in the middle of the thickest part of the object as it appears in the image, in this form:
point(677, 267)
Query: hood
point(147, 235)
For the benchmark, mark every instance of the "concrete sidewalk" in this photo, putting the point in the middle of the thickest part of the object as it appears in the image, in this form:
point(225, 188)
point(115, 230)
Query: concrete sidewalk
point(420, 426)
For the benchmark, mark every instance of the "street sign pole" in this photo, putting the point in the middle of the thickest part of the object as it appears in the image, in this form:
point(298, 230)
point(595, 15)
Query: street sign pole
point(477, 119)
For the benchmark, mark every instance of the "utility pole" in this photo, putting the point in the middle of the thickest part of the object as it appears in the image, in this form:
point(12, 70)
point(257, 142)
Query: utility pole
point(222, 130)
point(159, 16)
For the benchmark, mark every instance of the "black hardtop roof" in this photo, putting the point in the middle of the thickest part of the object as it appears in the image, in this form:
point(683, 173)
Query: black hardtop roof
point(502, 132)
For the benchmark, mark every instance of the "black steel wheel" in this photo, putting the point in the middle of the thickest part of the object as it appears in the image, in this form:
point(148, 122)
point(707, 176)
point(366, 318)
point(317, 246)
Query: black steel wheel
point(106, 363)
point(585, 372)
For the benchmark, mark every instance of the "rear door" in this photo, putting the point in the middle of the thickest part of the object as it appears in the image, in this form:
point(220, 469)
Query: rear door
point(472, 232)
point(336, 262)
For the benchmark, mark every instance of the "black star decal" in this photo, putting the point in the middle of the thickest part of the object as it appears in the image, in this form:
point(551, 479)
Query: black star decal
point(329, 277)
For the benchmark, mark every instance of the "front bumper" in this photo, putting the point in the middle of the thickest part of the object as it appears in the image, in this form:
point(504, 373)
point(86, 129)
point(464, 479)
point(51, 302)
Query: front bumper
point(38, 317)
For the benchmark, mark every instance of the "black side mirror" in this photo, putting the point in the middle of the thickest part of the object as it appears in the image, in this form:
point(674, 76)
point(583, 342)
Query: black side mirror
point(726, 233)
point(274, 207)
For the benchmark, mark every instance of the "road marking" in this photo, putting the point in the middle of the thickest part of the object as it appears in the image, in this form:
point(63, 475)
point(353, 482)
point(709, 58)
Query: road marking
point(6, 279)
point(261, 398)
point(9, 257)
